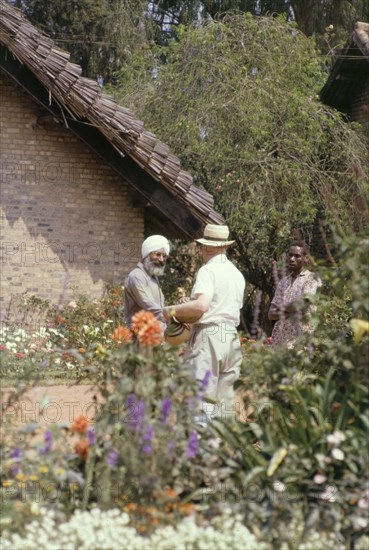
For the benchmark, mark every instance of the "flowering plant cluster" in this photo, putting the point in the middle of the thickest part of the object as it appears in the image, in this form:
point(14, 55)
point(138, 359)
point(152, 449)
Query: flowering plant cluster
point(147, 443)
point(304, 448)
point(41, 465)
point(108, 529)
point(64, 338)
point(296, 463)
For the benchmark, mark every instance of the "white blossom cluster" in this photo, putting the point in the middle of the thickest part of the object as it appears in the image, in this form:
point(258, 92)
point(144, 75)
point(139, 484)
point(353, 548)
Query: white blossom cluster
point(109, 530)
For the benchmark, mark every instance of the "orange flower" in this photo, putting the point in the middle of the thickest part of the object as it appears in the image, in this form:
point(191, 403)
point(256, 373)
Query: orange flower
point(81, 448)
point(122, 334)
point(171, 493)
point(147, 328)
point(80, 424)
point(130, 507)
point(186, 509)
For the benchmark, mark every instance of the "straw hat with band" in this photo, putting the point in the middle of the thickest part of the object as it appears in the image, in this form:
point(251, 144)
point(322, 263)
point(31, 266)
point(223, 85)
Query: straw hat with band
point(215, 235)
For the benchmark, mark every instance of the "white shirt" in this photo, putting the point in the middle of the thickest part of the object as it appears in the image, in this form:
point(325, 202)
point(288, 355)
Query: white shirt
point(225, 285)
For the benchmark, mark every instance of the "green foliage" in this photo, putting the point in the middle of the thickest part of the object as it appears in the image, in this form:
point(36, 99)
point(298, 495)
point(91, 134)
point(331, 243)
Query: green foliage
point(147, 445)
point(293, 466)
point(237, 101)
point(140, 452)
point(305, 443)
point(99, 35)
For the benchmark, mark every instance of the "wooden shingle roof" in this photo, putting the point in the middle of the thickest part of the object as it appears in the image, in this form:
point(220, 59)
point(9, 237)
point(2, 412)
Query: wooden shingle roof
point(80, 99)
point(350, 70)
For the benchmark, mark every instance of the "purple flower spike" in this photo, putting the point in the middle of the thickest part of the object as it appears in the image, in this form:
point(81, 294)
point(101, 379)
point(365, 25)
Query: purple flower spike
point(205, 381)
point(113, 458)
point(192, 445)
point(130, 400)
point(48, 442)
point(166, 406)
point(91, 436)
point(139, 413)
point(149, 434)
point(147, 449)
point(16, 456)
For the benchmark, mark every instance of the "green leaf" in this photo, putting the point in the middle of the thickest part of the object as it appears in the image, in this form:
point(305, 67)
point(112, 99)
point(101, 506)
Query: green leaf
point(276, 461)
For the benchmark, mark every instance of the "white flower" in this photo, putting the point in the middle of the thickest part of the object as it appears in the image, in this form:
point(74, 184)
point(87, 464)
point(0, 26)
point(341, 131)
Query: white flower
point(338, 454)
point(319, 478)
point(336, 438)
point(329, 494)
point(359, 523)
point(363, 503)
point(279, 486)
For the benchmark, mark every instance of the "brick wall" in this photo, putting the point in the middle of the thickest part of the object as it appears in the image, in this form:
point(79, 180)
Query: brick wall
point(360, 105)
point(67, 219)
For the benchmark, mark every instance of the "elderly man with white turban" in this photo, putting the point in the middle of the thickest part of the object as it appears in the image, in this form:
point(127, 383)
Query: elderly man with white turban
point(141, 286)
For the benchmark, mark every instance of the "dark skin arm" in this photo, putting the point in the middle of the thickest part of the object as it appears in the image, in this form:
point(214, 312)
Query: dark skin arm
point(275, 313)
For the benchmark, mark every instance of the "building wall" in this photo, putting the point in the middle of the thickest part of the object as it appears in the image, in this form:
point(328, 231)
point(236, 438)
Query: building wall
point(360, 105)
point(69, 223)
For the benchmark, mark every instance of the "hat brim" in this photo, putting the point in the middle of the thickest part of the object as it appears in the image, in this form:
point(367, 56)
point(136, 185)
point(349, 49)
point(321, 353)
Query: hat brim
point(214, 243)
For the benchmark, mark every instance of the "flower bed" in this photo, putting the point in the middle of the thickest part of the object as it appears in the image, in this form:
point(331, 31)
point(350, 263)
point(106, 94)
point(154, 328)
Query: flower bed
point(293, 474)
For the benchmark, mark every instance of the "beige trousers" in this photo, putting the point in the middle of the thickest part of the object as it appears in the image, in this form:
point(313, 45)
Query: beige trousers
point(215, 353)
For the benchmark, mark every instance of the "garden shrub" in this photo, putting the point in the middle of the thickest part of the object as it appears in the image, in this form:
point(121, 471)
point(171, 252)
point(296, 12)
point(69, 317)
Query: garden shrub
point(301, 458)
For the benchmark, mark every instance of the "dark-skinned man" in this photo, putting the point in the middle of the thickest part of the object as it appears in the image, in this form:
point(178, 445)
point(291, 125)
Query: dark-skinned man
point(289, 307)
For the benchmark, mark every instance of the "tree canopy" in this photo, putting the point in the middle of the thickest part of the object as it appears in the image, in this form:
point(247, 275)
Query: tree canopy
point(237, 101)
point(102, 35)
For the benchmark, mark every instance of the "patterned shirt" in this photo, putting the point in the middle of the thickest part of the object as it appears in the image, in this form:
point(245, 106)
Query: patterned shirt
point(287, 331)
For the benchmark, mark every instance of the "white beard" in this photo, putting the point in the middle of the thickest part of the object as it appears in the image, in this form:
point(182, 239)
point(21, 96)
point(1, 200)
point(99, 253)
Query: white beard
point(152, 269)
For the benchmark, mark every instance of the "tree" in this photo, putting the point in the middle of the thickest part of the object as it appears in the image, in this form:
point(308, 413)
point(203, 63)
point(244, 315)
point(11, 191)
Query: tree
point(99, 34)
point(102, 35)
point(237, 101)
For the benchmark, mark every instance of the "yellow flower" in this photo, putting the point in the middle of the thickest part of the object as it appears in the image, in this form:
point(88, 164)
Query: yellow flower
point(21, 477)
point(59, 471)
point(43, 469)
point(100, 350)
point(8, 482)
point(33, 478)
point(360, 327)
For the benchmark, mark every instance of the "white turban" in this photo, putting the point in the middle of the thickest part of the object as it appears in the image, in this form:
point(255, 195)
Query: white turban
point(154, 243)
